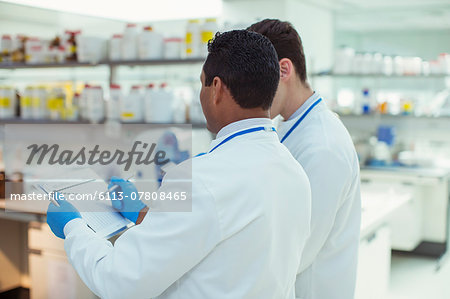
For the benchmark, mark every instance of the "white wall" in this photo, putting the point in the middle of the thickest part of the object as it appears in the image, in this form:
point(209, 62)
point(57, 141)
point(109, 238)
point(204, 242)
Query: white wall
point(18, 19)
point(424, 43)
point(315, 26)
point(246, 12)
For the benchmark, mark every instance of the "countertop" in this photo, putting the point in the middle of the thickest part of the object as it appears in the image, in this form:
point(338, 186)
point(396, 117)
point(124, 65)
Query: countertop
point(415, 171)
point(378, 203)
point(23, 211)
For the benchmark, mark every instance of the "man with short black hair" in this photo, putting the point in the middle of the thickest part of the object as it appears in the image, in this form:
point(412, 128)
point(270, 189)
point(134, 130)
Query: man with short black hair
point(251, 200)
point(322, 145)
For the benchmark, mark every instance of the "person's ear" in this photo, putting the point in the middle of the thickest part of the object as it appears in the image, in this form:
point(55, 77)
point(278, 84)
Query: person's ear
point(217, 86)
point(286, 68)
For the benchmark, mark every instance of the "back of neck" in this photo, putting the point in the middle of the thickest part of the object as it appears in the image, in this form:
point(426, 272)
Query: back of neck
point(298, 95)
point(246, 114)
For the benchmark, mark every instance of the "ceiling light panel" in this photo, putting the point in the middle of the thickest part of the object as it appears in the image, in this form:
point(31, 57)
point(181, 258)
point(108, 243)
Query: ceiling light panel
point(133, 10)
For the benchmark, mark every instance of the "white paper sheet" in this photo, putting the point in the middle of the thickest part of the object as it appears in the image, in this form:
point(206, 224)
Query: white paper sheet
point(100, 216)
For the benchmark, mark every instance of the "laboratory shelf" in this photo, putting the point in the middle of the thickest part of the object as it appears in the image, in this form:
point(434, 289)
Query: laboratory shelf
point(156, 62)
point(37, 121)
point(78, 122)
point(13, 66)
point(353, 76)
point(391, 116)
point(21, 65)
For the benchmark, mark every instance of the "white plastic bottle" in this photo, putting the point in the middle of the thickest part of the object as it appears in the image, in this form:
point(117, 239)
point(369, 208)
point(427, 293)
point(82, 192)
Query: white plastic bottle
point(7, 102)
point(357, 64)
point(150, 44)
point(34, 51)
point(343, 60)
point(388, 66)
point(26, 108)
point(195, 110)
point(39, 102)
point(132, 108)
point(179, 110)
point(161, 107)
point(150, 94)
point(114, 103)
point(444, 62)
point(367, 63)
point(6, 47)
point(193, 39)
point(95, 104)
point(209, 28)
point(129, 43)
point(55, 103)
point(399, 66)
point(83, 102)
point(72, 108)
point(377, 66)
point(172, 48)
point(115, 44)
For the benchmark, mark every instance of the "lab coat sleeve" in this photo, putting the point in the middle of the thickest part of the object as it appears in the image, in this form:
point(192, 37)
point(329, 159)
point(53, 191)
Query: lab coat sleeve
point(149, 257)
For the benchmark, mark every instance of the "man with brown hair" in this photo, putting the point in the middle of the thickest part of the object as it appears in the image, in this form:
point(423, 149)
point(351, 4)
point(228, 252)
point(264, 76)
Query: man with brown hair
point(322, 145)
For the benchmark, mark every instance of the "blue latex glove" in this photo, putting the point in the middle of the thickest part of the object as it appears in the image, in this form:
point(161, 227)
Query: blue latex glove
point(123, 202)
point(58, 217)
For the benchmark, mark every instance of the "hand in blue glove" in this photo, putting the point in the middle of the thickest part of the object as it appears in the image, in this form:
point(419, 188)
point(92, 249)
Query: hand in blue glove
point(58, 217)
point(127, 202)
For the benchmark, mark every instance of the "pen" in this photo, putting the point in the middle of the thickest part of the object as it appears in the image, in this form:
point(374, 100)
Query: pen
point(115, 186)
point(50, 197)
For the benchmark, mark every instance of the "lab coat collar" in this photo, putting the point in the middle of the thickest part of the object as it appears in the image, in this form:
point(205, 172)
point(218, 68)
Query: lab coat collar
point(284, 126)
point(239, 126)
point(315, 96)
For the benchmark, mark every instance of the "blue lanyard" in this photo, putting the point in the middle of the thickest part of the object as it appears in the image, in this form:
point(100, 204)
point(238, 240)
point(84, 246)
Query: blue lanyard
point(300, 119)
point(243, 132)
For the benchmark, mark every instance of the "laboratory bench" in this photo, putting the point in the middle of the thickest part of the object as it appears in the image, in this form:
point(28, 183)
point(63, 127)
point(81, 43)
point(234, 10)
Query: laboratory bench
point(423, 228)
point(380, 204)
point(32, 258)
point(43, 257)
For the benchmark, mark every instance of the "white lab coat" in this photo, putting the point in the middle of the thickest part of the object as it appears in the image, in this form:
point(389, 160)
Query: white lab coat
point(243, 239)
point(324, 148)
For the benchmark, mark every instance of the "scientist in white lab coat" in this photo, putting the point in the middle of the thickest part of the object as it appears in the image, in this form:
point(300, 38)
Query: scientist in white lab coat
point(250, 200)
point(322, 145)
